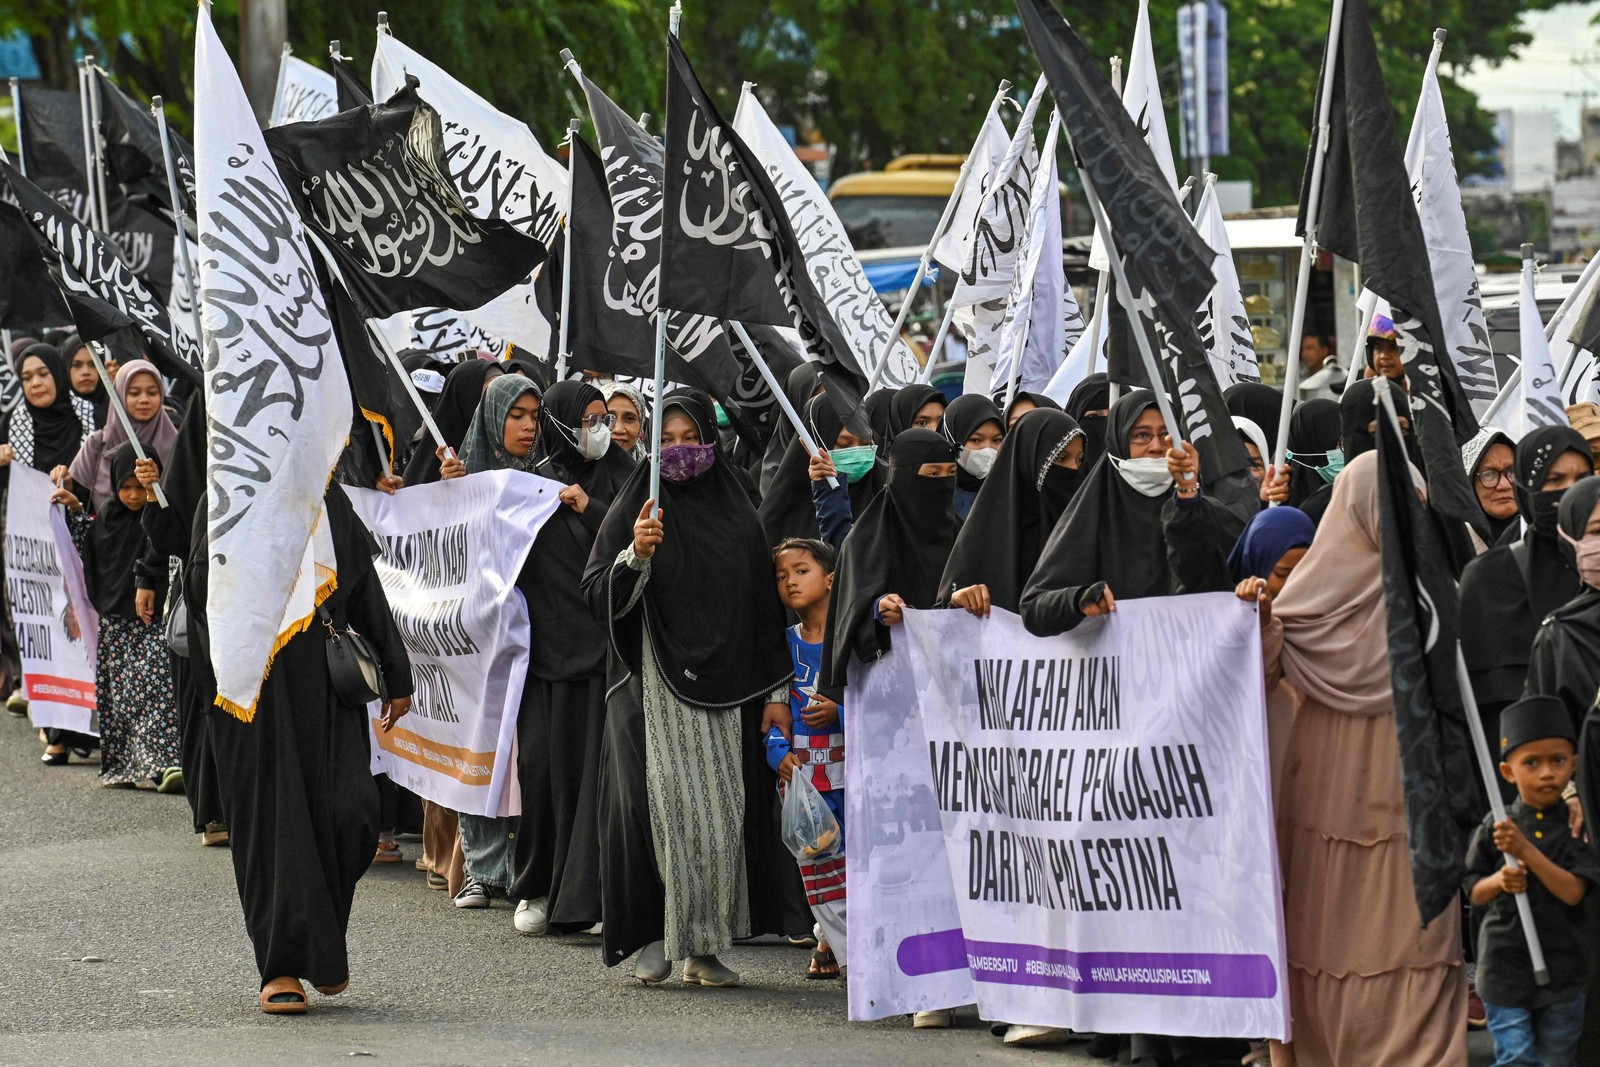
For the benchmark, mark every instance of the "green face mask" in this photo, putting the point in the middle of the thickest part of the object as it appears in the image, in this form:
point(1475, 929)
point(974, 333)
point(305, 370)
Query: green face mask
point(854, 463)
point(1335, 464)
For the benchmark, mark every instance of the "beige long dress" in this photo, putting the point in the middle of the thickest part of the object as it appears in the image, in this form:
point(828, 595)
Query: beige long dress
point(1368, 983)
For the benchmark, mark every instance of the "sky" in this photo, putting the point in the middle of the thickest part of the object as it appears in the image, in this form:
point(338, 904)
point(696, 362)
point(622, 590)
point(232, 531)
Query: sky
point(1541, 76)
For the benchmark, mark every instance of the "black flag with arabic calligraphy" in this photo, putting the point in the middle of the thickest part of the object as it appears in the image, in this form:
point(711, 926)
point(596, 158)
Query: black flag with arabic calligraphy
point(132, 139)
point(371, 183)
point(1167, 264)
point(90, 265)
point(729, 249)
point(28, 297)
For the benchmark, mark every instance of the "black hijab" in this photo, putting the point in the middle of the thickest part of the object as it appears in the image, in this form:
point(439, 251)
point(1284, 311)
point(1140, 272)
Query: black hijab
point(1091, 394)
point(1358, 409)
point(1510, 589)
point(876, 409)
point(1261, 404)
point(530, 367)
point(961, 420)
point(787, 508)
point(463, 389)
point(1038, 400)
point(1314, 429)
point(800, 387)
point(905, 405)
point(1473, 453)
point(1565, 661)
point(561, 418)
point(115, 542)
point(1016, 509)
point(96, 396)
point(1111, 533)
point(710, 603)
point(53, 434)
point(899, 544)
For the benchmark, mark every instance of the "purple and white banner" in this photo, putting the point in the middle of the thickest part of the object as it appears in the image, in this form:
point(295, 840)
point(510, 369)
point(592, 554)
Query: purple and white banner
point(1071, 831)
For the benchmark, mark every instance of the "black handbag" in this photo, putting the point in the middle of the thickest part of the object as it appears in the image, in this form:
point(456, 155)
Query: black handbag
point(352, 665)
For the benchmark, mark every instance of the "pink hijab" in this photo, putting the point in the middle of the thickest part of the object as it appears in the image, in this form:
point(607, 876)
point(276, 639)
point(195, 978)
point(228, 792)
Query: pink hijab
point(1335, 636)
point(92, 467)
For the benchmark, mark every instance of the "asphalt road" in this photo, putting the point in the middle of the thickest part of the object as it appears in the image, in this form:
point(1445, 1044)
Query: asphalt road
point(122, 942)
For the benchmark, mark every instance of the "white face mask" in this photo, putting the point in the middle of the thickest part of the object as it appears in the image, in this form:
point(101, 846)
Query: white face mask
point(977, 462)
point(1148, 475)
point(595, 442)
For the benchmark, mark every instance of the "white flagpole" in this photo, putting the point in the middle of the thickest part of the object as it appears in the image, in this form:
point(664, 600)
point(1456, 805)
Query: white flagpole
point(99, 177)
point(1308, 247)
point(88, 151)
point(1480, 744)
point(122, 414)
point(1513, 385)
point(658, 402)
point(925, 375)
point(1125, 295)
point(1097, 317)
point(16, 114)
point(795, 420)
point(283, 72)
point(178, 215)
point(566, 265)
point(927, 253)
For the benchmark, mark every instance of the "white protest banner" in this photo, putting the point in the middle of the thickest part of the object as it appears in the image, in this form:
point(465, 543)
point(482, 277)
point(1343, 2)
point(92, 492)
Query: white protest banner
point(1104, 800)
point(305, 93)
point(56, 626)
point(451, 552)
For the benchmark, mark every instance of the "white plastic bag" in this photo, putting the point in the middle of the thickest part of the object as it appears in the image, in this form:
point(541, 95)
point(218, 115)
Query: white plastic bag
point(810, 831)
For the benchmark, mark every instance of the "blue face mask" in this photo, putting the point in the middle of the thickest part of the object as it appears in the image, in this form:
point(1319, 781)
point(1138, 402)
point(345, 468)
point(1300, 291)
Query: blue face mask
point(1335, 464)
point(854, 463)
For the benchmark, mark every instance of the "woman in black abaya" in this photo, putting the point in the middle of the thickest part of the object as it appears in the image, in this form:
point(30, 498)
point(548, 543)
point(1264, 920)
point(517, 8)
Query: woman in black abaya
point(1490, 461)
point(895, 554)
point(1089, 404)
point(562, 718)
point(296, 780)
point(916, 407)
point(1565, 661)
point(1039, 470)
point(696, 634)
point(1315, 459)
point(1510, 589)
point(463, 389)
point(1129, 533)
point(790, 502)
point(802, 384)
point(973, 424)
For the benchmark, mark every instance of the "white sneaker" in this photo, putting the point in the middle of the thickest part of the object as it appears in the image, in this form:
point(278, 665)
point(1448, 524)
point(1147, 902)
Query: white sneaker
point(1037, 1035)
point(531, 919)
point(938, 1019)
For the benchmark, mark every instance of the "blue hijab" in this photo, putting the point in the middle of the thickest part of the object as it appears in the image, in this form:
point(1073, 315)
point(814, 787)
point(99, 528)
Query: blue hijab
point(1270, 534)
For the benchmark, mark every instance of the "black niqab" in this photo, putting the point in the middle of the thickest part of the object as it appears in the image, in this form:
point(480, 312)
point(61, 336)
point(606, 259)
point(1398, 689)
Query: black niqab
point(961, 420)
point(800, 387)
point(1016, 509)
point(463, 389)
point(711, 605)
point(1314, 429)
point(876, 409)
point(1091, 394)
point(899, 544)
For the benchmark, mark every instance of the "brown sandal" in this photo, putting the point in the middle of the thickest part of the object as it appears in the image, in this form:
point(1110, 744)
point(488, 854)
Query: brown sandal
point(823, 965)
point(335, 989)
point(283, 987)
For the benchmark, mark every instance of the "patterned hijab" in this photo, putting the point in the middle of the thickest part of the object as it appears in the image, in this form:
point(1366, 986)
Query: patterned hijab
point(484, 446)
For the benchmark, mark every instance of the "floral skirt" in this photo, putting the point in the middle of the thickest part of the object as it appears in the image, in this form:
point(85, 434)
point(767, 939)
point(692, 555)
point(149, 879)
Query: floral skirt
point(138, 711)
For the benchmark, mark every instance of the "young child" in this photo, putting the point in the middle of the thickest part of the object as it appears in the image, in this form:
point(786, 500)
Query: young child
point(1532, 1023)
point(133, 677)
point(805, 575)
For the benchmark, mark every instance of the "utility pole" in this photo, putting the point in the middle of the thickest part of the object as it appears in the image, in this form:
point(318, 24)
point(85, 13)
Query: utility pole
point(263, 29)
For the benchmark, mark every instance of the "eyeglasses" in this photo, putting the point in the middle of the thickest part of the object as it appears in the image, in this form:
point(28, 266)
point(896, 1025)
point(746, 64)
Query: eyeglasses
point(591, 421)
point(1140, 438)
point(1489, 479)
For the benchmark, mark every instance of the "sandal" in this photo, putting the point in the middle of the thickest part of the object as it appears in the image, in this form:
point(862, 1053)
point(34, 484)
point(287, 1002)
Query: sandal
point(335, 989)
point(291, 992)
point(823, 965)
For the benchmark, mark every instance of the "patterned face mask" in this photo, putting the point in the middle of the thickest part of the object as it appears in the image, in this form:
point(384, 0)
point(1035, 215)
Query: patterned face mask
point(680, 463)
